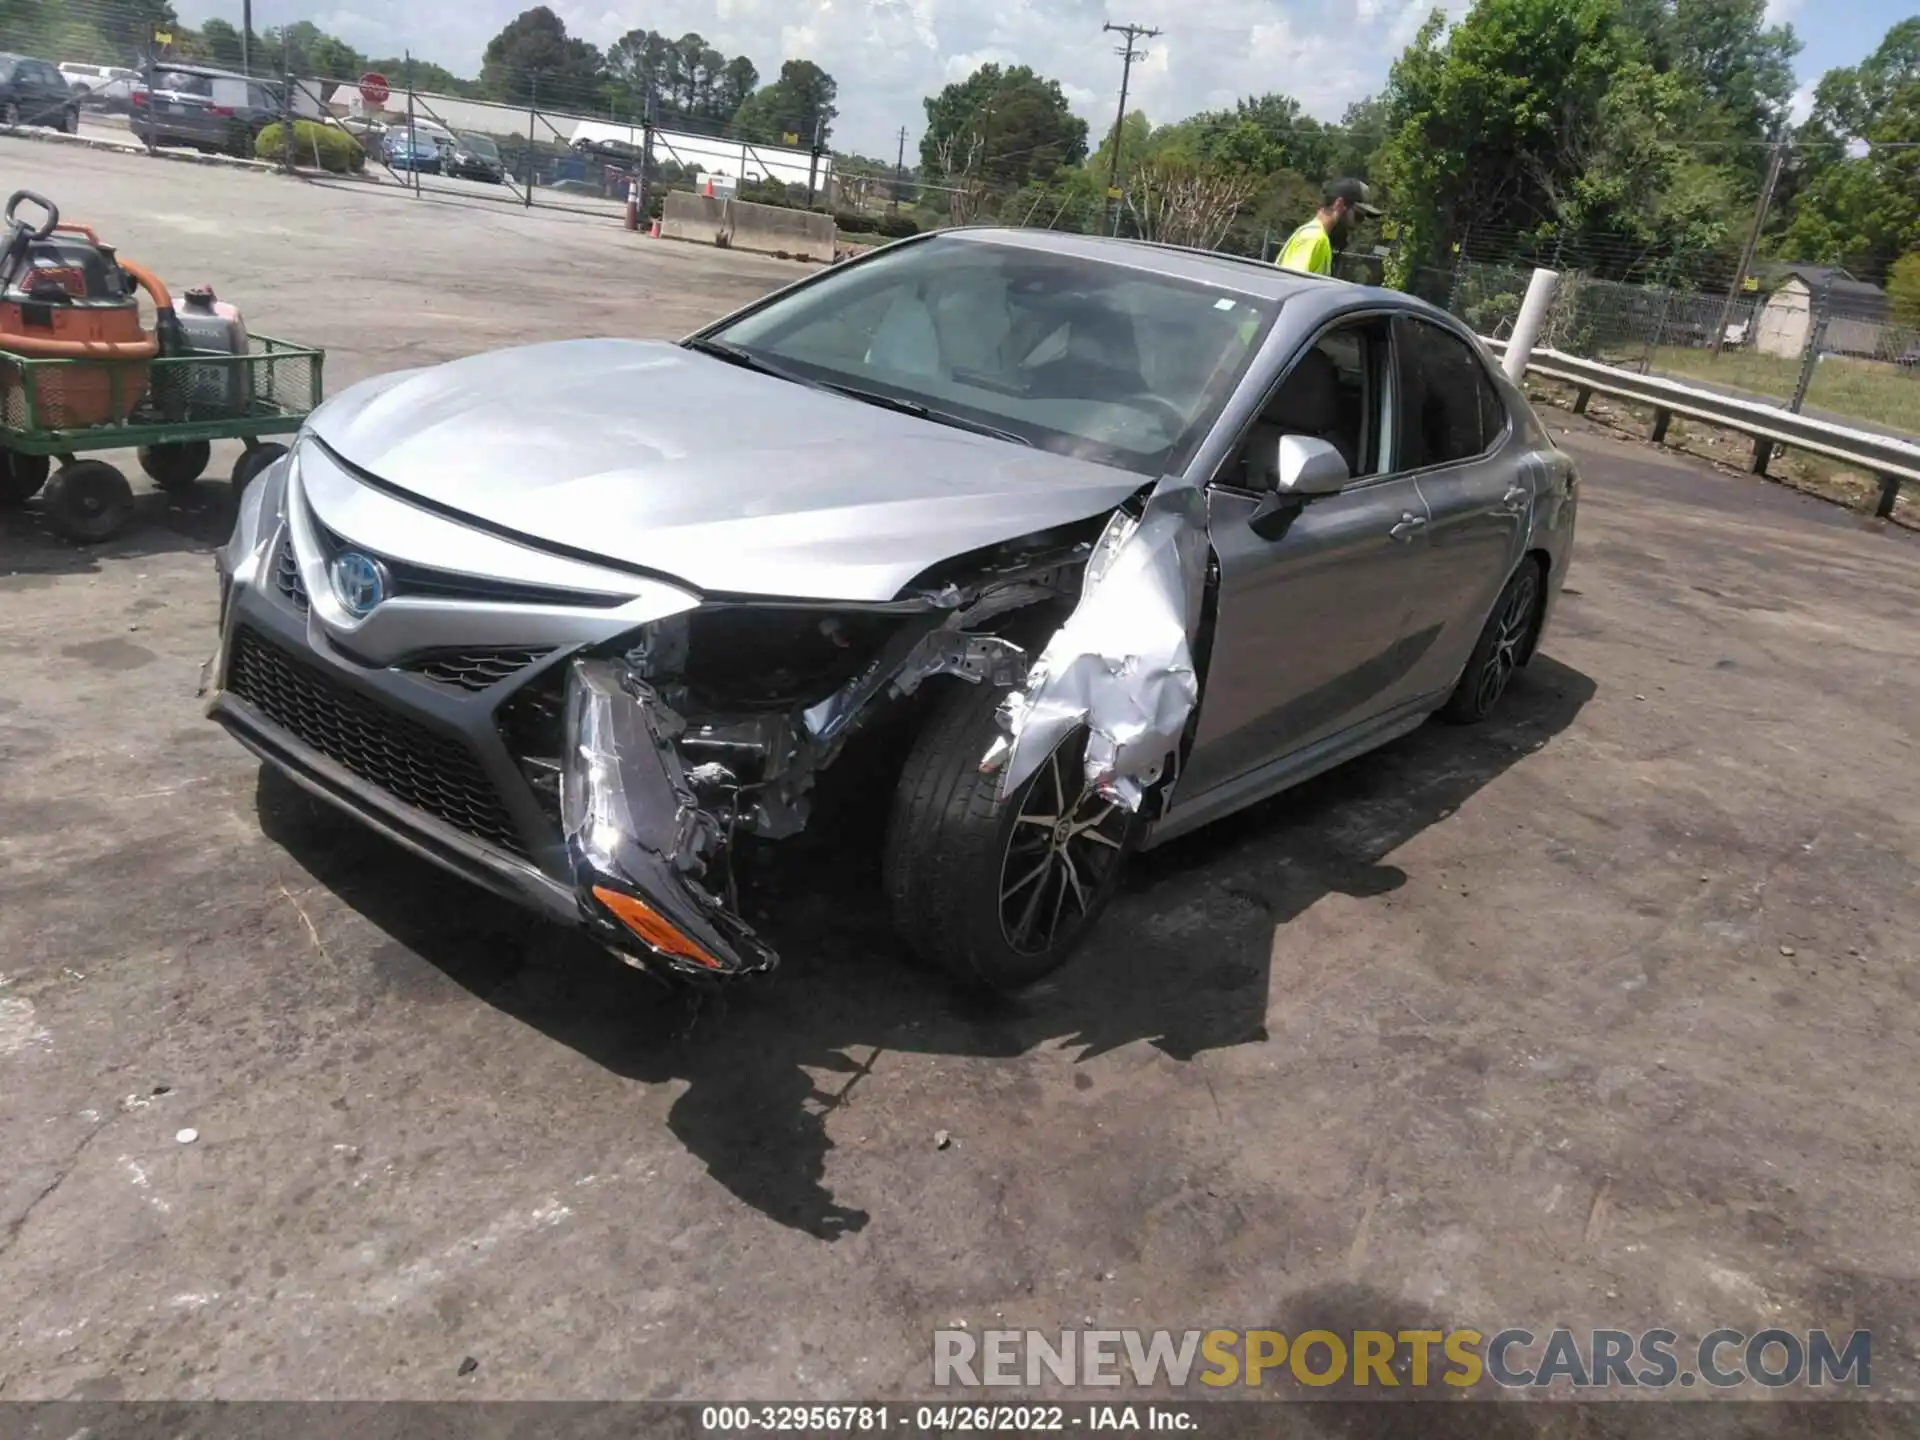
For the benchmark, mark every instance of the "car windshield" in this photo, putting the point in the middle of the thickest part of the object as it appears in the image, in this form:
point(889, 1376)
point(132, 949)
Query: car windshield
point(1090, 358)
point(480, 145)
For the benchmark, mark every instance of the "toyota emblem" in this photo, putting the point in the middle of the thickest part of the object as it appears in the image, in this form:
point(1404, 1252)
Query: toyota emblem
point(359, 581)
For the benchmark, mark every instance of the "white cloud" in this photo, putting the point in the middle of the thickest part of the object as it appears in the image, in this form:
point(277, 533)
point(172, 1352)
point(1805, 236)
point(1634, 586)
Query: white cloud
point(1779, 12)
point(889, 54)
point(1801, 105)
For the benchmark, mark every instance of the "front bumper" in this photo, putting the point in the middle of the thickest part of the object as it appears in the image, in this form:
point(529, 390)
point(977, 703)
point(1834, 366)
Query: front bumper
point(426, 763)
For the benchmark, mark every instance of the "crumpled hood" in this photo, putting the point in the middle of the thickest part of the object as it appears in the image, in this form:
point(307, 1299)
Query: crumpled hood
point(734, 482)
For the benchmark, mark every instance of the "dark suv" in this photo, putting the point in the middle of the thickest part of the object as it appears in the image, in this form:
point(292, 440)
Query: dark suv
point(33, 92)
point(203, 108)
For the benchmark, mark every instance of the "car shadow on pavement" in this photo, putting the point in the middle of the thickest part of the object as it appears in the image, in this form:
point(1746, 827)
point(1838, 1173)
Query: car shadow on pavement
point(1182, 963)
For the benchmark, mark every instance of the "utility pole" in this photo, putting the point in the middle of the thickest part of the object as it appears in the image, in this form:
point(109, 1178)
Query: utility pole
point(899, 172)
point(813, 161)
point(1127, 56)
point(246, 37)
point(1774, 163)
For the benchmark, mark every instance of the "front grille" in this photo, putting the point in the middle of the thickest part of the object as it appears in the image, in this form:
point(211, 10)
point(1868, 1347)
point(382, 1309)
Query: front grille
point(418, 766)
point(286, 576)
point(473, 669)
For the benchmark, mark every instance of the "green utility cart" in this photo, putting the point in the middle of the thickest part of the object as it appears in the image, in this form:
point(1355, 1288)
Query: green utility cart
point(175, 407)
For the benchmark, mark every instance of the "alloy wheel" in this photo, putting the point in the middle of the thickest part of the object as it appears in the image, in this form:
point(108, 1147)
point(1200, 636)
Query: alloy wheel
point(1062, 849)
point(1516, 618)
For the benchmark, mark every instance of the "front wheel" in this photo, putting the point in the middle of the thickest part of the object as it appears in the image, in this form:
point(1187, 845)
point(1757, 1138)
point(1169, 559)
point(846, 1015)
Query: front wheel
point(70, 122)
point(88, 501)
point(1496, 654)
point(998, 895)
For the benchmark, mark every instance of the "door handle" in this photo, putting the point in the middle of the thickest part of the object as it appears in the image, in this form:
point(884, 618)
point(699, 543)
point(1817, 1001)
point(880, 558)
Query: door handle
point(1410, 525)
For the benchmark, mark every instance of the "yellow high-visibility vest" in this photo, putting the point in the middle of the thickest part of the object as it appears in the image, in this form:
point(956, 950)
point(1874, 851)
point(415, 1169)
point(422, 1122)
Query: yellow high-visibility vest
point(1308, 249)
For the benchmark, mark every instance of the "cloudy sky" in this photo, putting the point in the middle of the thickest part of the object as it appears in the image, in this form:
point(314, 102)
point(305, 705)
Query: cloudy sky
point(888, 54)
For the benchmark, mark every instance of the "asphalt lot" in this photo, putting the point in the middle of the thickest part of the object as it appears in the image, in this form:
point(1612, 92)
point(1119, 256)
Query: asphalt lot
point(1597, 1015)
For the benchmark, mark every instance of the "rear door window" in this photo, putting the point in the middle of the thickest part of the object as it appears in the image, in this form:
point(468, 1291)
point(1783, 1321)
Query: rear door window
point(1448, 409)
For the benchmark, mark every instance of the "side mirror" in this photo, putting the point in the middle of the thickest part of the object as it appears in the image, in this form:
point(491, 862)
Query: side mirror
point(1306, 467)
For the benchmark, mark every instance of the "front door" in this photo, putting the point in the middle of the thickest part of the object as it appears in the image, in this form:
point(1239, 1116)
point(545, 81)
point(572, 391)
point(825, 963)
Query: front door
point(1310, 632)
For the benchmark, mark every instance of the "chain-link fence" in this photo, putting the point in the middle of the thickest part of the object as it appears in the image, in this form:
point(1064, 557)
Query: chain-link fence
point(1832, 347)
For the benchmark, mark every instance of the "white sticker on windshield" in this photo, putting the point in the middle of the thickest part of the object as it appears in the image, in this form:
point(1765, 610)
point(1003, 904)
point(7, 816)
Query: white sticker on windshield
point(1223, 304)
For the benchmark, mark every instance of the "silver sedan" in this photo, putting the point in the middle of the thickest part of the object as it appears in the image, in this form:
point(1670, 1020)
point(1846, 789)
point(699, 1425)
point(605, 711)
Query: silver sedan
point(1068, 546)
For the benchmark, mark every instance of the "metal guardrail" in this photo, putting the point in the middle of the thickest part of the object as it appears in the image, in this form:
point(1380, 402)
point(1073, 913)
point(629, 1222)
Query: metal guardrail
point(1892, 462)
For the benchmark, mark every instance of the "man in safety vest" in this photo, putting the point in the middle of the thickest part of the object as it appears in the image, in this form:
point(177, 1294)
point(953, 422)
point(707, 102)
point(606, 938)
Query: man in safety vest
point(1311, 247)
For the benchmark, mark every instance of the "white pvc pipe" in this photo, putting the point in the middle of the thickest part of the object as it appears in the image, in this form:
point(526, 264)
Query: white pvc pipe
point(1526, 329)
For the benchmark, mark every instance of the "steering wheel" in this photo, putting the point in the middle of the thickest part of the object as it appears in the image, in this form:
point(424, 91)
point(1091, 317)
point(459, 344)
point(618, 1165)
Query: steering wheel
point(1165, 410)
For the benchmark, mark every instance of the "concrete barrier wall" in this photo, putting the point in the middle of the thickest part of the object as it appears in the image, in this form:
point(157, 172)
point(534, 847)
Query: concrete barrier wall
point(740, 225)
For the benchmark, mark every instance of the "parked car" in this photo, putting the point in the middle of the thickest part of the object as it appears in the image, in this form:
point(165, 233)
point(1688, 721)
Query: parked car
point(203, 109)
point(475, 157)
point(89, 81)
point(33, 92)
point(413, 151)
point(1071, 544)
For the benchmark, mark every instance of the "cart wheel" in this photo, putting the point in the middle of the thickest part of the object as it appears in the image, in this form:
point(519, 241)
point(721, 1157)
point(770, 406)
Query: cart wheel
point(252, 463)
point(88, 500)
point(21, 477)
point(175, 466)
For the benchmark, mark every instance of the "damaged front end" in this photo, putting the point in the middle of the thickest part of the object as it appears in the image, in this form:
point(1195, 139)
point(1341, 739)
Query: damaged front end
point(711, 727)
point(1123, 665)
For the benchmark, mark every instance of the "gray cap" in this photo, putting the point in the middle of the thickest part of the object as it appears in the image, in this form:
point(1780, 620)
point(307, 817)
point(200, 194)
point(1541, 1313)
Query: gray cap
point(1355, 192)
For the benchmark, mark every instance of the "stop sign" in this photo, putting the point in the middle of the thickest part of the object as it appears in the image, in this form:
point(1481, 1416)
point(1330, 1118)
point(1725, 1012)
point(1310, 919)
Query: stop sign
point(374, 89)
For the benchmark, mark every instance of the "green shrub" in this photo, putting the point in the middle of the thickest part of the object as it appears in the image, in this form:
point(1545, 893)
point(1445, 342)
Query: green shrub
point(849, 223)
point(896, 226)
point(335, 150)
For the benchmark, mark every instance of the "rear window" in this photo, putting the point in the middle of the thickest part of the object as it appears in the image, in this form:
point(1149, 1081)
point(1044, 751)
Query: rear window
point(182, 82)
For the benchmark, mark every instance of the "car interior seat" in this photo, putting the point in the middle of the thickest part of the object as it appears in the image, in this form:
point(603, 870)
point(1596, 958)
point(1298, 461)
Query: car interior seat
point(1308, 403)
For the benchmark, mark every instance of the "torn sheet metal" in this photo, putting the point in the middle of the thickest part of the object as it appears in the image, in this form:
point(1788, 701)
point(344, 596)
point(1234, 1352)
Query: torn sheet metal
point(634, 826)
point(1122, 664)
point(910, 658)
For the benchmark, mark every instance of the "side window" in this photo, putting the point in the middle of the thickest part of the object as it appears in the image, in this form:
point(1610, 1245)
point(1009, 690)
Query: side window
point(1332, 393)
point(1448, 409)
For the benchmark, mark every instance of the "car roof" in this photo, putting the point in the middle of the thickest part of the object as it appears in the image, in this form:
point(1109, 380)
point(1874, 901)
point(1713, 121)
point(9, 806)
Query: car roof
point(188, 67)
point(1207, 267)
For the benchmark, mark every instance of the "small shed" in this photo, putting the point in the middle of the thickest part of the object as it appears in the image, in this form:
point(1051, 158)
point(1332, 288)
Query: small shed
point(1856, 311)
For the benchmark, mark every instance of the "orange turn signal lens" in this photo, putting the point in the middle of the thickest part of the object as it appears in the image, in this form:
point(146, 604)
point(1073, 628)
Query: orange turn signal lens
point(652, 927)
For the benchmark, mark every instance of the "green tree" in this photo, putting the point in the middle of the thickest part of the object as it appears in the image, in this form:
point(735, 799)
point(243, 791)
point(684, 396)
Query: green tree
point(1549, 126)
point(534, 57)
point(221, 42)
point(1862, 210)
point(1903, 288)
point(1002, 127)
point(428, 77)
point(799, 103)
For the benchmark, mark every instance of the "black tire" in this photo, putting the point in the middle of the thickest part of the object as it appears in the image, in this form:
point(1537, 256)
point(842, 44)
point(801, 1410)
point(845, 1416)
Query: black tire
point(21, 477)
point(1500, 650)
point(953, 851)
point(70, 122)
point(248, 467)
point(177, 465)
point(88, 501)
point(10, 116)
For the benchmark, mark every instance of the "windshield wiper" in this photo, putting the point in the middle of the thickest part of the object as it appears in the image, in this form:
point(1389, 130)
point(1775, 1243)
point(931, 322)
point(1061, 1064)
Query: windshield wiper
point(735, 355)
point(924, 412)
